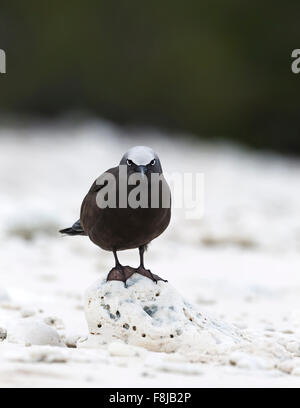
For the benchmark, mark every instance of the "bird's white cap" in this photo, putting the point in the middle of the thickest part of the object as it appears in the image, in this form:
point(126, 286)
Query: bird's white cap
point(140, 155)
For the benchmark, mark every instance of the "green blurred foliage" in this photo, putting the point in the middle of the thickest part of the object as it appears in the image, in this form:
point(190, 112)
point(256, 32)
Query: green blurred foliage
point(214, 68)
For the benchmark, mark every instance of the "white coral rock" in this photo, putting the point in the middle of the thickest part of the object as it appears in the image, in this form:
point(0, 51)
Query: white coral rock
point(153, 316)
point(31, 331)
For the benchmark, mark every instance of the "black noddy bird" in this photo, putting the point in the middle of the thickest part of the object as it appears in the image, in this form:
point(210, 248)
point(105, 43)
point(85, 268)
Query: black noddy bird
point(119, 227)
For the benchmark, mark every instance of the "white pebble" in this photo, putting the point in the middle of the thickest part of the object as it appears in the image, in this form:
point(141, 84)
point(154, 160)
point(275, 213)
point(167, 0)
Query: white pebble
point(31, 331)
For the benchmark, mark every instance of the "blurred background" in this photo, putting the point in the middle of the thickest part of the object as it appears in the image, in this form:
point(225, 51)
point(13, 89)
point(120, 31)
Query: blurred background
point(214, 69)
point(209, 86)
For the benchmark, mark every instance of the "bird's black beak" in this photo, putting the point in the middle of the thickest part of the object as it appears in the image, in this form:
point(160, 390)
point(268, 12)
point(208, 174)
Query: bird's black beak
point(141, 169)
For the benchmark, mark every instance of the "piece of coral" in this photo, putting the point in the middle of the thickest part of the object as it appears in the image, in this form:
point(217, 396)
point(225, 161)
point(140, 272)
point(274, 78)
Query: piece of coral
point(153, 316)
point(31, 331)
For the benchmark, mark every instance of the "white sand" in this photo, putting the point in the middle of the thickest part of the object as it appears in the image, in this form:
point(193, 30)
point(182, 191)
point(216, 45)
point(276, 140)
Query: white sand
point(239, 265)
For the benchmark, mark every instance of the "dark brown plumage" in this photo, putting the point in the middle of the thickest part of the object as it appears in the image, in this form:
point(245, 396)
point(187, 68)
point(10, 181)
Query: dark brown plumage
point(117, 229)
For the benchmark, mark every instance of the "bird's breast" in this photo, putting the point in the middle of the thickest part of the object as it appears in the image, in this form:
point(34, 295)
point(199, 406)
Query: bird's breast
point(116, 227)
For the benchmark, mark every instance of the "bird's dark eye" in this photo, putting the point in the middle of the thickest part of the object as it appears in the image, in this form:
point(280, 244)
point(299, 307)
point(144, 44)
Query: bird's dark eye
point(153, 162)
point(129, 162)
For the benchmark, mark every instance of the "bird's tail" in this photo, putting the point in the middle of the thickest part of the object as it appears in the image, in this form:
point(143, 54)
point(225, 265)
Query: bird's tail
point(76, 229)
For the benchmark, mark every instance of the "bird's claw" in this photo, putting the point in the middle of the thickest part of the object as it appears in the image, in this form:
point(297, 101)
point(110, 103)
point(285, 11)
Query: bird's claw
point(148, 274)
point(120, 273)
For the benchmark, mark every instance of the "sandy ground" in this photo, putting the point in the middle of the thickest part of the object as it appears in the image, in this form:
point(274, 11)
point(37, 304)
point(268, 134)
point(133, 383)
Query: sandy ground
point(240, 263)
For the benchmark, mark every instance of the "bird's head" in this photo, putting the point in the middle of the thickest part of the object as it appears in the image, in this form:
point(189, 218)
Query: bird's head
point(141, 159)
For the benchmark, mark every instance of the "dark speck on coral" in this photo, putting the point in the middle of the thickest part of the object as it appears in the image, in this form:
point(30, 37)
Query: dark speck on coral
point(150, 310)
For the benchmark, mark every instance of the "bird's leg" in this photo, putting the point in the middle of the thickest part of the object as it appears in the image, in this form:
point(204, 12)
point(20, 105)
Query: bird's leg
point(120, 272)
point(146, 272)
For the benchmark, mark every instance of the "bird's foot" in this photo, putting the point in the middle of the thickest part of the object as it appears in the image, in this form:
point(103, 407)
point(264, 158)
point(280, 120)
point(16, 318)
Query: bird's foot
point(148, 274)
point(120, 273)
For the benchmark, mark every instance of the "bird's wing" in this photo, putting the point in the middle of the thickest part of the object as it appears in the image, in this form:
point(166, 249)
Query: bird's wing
point(101, 181)
point(76, 229)
point(89, 207)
